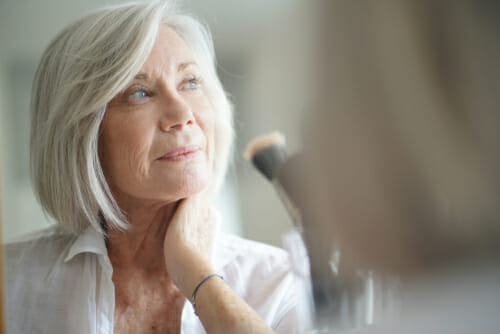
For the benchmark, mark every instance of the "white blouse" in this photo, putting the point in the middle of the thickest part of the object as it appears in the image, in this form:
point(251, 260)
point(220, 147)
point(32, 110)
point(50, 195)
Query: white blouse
point(56, 282)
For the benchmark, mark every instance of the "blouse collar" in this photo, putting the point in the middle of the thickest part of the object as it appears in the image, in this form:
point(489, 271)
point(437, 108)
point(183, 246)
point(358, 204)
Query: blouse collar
point(92, 241)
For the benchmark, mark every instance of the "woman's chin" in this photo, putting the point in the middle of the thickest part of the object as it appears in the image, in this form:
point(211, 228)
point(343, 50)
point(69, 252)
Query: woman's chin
point(187, 184)
point(193, 187)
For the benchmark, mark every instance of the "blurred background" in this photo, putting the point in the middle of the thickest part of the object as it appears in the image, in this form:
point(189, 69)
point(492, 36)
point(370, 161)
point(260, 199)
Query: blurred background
point(257, 43)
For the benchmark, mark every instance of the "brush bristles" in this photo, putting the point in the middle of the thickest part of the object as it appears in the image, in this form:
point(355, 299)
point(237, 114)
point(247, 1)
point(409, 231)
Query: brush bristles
point(261, 142)
point(267, 153)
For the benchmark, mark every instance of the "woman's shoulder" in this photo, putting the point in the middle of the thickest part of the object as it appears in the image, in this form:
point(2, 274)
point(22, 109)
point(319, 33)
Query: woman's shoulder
point(236, 250)
point(262, 275)
point(47, 235)
point(252, 268)
point(50, 231)
point(37, 248)
point(39, 283)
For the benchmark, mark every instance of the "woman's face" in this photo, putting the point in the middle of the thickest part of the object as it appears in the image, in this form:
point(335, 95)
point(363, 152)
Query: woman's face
point(156, 142)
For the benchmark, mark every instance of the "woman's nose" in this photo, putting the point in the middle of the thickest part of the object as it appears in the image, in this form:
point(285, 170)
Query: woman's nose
point(177, 114)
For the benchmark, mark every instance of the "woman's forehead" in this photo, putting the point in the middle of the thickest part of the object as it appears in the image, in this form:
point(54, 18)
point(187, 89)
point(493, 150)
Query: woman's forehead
point(170, 54)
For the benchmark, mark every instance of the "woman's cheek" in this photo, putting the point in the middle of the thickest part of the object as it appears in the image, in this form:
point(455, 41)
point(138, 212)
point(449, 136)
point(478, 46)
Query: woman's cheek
point(206, 121)
point(131, 154)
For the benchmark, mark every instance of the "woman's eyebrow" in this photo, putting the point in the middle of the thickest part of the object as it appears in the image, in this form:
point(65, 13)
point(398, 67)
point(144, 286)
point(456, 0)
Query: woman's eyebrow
point(183, 66)
point(141, 76)
point(180, 68)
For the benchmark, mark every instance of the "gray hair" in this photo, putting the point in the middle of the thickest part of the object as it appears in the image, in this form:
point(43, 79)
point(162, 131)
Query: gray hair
point(82, 69)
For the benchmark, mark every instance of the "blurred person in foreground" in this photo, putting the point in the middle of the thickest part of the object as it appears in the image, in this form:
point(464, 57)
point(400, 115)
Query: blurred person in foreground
point(130, 139)
point(406, 143)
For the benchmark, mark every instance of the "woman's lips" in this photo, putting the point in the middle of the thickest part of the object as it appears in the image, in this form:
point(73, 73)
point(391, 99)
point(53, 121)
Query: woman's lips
point(181, 153)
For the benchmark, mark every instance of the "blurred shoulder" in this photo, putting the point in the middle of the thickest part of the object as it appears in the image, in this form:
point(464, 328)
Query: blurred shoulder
point(262, 275)
point(253, 269)
point(236, 250)
point(39, 283)
point(38, 247)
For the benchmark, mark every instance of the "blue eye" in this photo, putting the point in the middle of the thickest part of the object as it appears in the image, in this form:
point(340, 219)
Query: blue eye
point(138, 94)
point(192, 84)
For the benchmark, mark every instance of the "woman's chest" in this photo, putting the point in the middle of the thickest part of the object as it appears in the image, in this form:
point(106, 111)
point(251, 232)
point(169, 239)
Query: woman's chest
point(148, 311)
point(148, 321)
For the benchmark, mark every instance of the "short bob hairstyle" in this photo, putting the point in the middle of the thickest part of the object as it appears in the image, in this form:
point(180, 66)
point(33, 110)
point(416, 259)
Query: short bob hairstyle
point(80, 72)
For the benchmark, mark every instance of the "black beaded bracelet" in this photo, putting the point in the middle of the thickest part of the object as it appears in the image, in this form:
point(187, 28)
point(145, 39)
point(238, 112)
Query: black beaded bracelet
point(193, 297)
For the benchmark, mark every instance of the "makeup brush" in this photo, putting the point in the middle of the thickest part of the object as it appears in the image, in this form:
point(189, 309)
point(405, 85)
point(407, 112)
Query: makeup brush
point(334, 287)
point(289, 178)
point(268, 154)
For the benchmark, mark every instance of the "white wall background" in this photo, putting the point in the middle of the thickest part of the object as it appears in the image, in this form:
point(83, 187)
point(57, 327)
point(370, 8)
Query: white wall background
point(260, 46)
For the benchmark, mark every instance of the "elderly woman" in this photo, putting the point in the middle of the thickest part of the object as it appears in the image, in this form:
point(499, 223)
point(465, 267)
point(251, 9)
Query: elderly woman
point(130, 138)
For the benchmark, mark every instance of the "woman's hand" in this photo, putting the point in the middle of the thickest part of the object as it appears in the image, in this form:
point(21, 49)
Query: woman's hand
point(186, 249)
point(188, 243)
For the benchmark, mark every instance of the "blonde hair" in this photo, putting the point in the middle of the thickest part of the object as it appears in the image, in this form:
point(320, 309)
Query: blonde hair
point(82, 69)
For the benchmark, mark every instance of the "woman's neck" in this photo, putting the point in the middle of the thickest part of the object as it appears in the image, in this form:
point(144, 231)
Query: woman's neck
point(141, 246)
